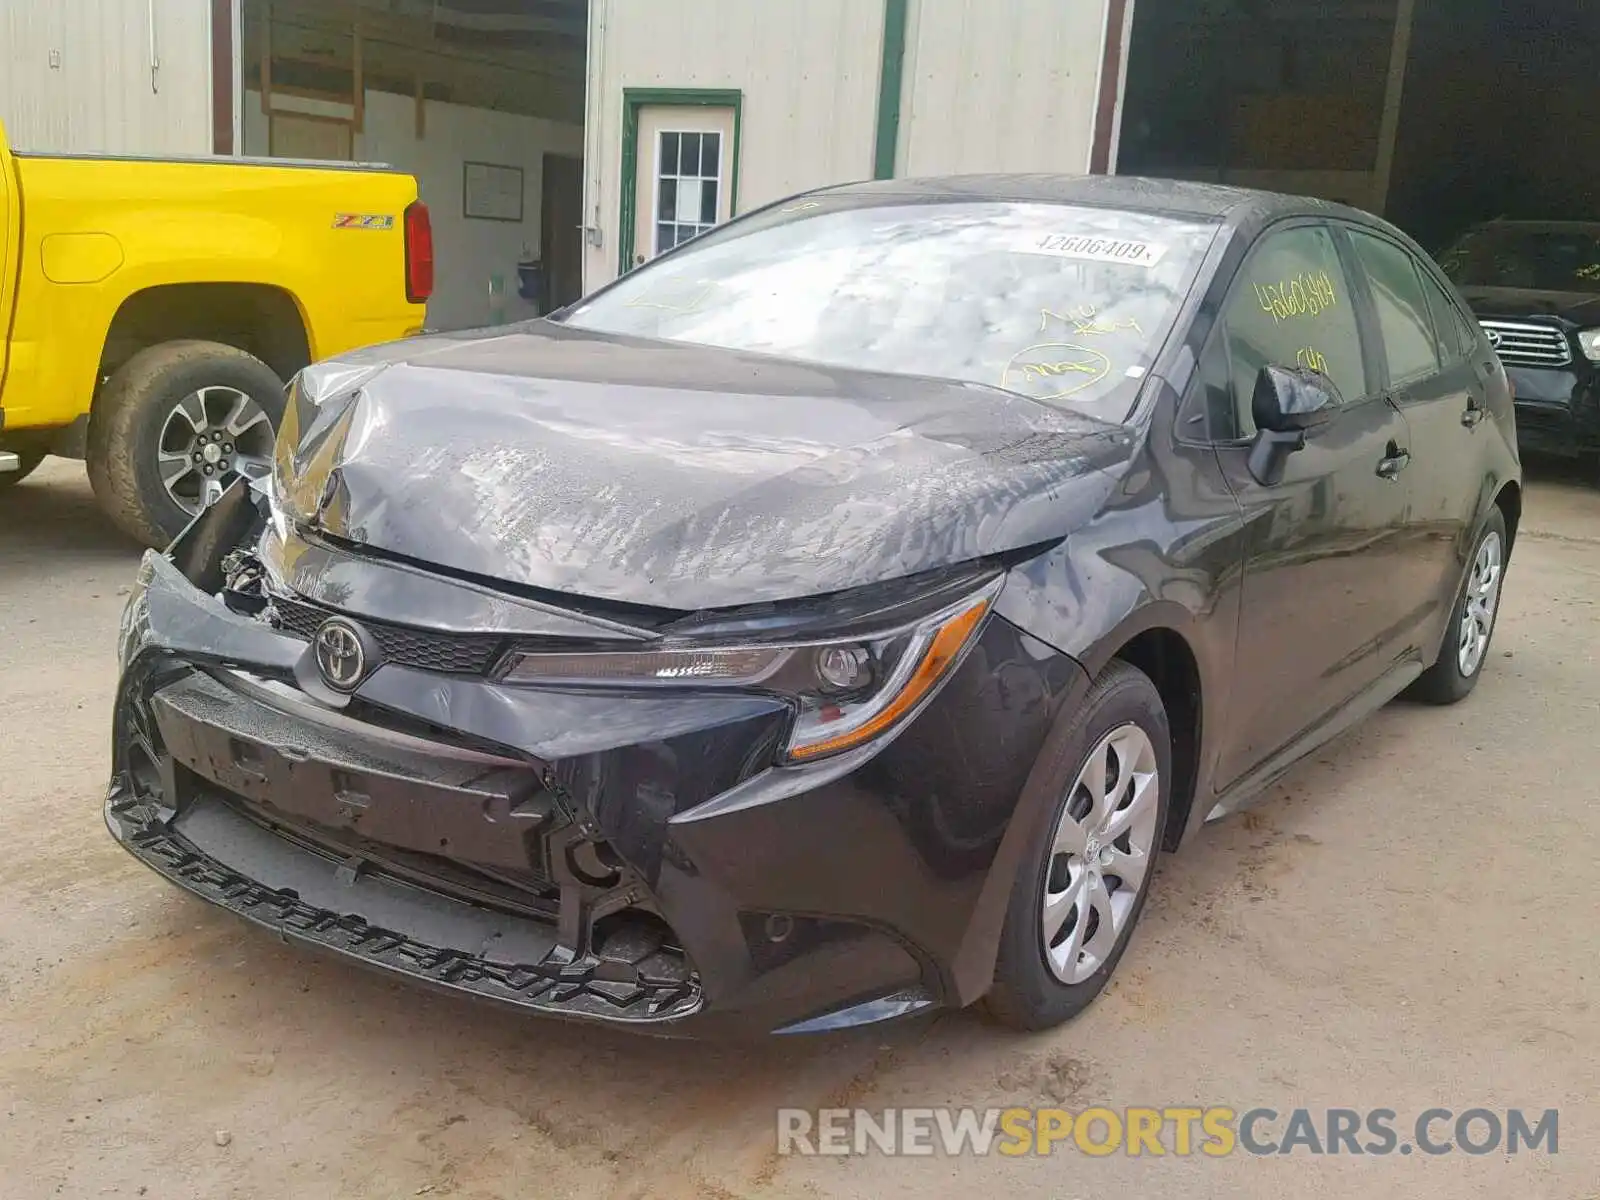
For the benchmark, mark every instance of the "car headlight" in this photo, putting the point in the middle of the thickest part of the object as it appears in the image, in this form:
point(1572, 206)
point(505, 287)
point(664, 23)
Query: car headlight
point(847, 692)
point(133, 627)
point(1589, 343)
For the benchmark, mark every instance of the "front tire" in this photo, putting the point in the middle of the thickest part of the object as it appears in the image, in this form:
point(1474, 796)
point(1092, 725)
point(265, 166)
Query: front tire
point(1079, 895)
point(1466, 641)
point(174, 426)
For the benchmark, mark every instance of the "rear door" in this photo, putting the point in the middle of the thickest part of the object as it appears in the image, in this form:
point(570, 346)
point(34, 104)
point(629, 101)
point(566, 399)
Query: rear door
point(1324, 573)
point(1441, 392)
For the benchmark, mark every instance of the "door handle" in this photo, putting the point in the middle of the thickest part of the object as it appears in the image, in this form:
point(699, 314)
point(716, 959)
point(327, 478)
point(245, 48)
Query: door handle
point(1475, 412)
point(1393, 462)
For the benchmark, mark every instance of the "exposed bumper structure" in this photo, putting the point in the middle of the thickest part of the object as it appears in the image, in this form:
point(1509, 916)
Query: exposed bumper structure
point(630, 859)
point(306, 897)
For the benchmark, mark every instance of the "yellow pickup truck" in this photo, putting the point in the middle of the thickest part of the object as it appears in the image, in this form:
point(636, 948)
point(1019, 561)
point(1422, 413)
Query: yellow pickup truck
point(152, 309)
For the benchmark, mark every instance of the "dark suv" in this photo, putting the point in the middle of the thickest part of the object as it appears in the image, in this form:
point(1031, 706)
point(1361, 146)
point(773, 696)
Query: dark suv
point(1535, 287)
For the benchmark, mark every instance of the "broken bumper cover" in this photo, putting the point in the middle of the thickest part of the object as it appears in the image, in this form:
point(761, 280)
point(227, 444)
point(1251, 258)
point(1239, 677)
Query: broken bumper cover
point(303, 897)
point(626, 859)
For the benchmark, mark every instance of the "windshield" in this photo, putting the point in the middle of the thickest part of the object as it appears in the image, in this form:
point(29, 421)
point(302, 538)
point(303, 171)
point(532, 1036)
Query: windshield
point(1542, 258)
point(1063, 304)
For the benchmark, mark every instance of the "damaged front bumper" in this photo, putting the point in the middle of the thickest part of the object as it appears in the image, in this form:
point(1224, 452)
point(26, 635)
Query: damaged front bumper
point(637, 859)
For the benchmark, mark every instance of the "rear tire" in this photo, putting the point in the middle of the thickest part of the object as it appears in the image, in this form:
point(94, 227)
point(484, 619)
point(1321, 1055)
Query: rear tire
point(28, 463)
point(132, 424)
point(1078, 882)
point(1471, 626)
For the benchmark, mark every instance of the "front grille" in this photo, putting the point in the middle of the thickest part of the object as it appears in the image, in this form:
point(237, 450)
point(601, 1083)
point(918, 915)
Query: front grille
point(1524, 345)
point(424, 649)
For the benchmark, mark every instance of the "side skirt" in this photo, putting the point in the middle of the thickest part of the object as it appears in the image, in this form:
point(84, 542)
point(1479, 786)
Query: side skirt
point(1250, 788)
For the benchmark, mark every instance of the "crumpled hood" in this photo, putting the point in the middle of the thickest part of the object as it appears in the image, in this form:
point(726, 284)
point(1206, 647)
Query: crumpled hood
point(675, 476)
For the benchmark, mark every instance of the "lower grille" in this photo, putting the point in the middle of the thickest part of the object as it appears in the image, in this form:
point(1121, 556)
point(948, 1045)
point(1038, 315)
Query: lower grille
point(424, 649)
point(1521, 344)
point(527, 893)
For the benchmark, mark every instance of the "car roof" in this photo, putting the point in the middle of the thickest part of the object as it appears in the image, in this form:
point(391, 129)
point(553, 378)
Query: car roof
point(1173, 197)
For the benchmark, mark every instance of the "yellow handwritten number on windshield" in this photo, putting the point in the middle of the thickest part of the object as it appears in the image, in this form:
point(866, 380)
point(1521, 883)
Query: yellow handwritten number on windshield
point(1084, 319)
point(1054, 370)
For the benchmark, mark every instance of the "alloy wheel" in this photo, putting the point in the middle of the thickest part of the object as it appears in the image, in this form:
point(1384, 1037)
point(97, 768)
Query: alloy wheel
point(211, 437)
point(1483, 596)
point(1101, 854)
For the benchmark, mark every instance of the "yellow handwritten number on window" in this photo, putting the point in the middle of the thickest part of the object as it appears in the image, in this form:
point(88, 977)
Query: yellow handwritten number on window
point(1308, 294)
point(1311, 358)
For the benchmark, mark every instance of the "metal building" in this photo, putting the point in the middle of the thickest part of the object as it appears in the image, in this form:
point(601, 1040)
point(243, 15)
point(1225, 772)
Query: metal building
point(767, 97)
point(107, 76)
point(613, 129)
point(770, 97)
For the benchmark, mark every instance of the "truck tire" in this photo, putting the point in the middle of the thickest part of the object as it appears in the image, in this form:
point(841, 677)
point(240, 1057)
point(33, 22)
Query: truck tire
point(28, 462)
point(174, 426)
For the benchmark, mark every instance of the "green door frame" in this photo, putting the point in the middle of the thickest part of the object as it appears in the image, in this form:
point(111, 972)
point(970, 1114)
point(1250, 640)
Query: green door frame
point(891, 80)
point(633, 99)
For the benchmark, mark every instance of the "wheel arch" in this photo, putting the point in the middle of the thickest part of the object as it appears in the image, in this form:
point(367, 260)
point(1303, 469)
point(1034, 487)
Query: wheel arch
point(1509, 501)
point(262, 319)
point(1155, 643)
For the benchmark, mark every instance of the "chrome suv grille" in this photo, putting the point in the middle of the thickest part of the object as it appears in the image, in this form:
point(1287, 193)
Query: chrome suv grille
point(425, 649)
point(1522, 345)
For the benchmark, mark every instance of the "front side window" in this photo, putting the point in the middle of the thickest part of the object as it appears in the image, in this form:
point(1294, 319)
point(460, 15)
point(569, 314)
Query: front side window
point(1291, 307)
point(1402, 308)
point(1064, 304)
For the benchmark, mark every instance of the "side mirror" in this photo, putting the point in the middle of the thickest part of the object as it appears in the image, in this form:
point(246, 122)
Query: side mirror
point(1288, 403)
point(1293, 399)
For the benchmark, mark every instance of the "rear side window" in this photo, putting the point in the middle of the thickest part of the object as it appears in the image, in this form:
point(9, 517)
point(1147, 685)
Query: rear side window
point(1402, 308)
point(1457, 337)
point(1291, 307)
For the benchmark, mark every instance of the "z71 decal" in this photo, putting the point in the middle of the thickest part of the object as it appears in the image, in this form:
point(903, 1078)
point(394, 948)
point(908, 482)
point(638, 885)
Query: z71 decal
point(363, 221)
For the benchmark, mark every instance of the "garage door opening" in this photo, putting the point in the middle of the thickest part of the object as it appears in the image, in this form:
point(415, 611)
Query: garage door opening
point(481, 100)
point(1437, 114)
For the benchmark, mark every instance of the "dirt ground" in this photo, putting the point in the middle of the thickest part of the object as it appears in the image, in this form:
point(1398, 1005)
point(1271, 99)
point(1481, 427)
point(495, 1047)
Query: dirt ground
point(1408, 921)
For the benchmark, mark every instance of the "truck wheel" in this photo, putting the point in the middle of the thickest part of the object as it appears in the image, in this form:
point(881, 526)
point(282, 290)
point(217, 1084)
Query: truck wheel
point(27, 463)
point(174, 426)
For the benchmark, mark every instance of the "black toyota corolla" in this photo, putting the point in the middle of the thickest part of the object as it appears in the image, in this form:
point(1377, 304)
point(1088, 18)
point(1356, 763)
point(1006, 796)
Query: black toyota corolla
point(831, 620)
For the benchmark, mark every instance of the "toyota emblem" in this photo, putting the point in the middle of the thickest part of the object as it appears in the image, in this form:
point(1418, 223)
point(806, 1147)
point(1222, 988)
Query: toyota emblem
point(342, 654)
point(1494, 337)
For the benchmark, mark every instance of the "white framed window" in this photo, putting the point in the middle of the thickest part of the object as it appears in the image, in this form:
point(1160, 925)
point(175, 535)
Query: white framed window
point(687, 185)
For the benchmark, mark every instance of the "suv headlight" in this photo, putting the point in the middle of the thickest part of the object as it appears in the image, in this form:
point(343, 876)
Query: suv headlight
point(1589, 343)
point(847, 691)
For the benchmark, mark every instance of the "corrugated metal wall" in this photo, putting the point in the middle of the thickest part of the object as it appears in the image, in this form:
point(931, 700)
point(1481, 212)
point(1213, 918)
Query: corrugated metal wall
point(1000, 85)
point(989, 85)
point(75, 75)
point(808, 70)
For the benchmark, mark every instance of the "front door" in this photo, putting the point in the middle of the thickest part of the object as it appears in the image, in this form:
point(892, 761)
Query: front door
point(1325, 586)
point(685, 173)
